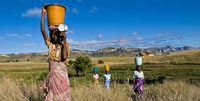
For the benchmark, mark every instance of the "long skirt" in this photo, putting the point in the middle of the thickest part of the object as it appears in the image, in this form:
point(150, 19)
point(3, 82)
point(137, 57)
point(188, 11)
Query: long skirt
point(56, 86)
point(139, 86)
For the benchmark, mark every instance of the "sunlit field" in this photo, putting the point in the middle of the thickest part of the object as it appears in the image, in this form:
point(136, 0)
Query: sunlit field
point(169, 77)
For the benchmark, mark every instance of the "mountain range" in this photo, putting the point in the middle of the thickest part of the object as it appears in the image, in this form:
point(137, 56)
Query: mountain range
point(105, 52)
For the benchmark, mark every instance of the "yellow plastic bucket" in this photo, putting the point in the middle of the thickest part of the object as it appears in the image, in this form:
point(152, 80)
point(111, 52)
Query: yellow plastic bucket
point(106, 67)
point(55, 14)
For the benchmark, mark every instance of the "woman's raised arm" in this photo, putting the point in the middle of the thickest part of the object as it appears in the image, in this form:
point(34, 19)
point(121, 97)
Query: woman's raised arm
point(45, 36)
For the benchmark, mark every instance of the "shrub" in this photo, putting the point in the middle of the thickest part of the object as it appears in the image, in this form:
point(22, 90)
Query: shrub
point(100, 62)
point(71, 62)
point(82, 63)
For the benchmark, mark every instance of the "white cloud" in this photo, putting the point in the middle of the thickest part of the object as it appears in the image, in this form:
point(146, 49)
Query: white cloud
point(164, 35)
point(75, 10)
point(29, 45)
point(70, 32)
point(94, 9)
point(92, 45)
point(69, 40)
point(18, 36)
point(27, 35)
point(14, 35)
point(140, 38)
point(32, 12)
point(134, 33)
point(100, 36)
point(120, 42)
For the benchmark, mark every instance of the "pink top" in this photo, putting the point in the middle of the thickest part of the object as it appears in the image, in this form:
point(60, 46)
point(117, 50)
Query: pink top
point(95, 76)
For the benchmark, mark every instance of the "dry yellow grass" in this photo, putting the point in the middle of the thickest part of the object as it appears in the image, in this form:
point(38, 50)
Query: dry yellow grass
point(21, 65)
point(191, 56)
point(168, 91)
point(15, 91)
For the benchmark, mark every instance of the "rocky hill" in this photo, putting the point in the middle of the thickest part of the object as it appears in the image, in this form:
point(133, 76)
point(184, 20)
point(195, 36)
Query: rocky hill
point(105, 52)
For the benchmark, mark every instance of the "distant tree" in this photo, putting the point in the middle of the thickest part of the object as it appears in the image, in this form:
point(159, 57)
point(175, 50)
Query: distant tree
point(27, 60)
point(82, 63)
point(186, 47)
point(71, 62)
point(100, 62)
point(16, 60)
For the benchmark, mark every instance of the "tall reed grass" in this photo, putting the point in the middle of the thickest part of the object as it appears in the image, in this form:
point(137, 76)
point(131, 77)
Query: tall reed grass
point(168, 91)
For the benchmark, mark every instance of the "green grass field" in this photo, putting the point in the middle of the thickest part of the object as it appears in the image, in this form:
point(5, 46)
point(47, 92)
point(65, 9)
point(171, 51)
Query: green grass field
point(121, 73)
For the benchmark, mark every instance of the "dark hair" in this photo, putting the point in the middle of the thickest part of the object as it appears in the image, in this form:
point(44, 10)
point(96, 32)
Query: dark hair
point(137, 67)
point(51, 33)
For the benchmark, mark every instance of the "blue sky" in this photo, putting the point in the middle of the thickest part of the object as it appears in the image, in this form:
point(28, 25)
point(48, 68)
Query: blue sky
point(95, 24)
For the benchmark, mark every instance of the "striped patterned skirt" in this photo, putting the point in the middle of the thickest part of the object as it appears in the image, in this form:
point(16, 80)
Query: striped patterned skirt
point(56, 86)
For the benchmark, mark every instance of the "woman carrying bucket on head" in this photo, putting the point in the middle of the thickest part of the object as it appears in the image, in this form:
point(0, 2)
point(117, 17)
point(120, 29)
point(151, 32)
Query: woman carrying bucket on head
point(56, 86)
point(107, 77)
point(95, 77)
point(138, 77)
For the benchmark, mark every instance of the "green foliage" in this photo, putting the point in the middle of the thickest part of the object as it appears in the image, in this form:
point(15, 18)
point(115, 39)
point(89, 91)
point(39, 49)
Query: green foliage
point(186, 47)
point(100, 62)
point(43, 76)
point(82, 63)
point(16, 60)
point(71, 62)
point(27, 60)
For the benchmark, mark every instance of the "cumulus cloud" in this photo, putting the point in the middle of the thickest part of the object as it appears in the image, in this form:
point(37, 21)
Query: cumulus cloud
point(164, 35)
point(120, 42)
point(29, 45)
point(140, 38)
point(75, 10)
point(32, 12)
point(92, 45)
point(94, 9)
point(100, 36)
point(134, 33)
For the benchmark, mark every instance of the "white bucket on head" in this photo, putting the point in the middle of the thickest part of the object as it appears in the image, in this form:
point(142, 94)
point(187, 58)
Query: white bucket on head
point(138, 61)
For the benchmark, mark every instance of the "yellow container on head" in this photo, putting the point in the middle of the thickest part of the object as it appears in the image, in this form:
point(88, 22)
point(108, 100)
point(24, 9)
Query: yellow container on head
point(106, 67)
point(55, 14)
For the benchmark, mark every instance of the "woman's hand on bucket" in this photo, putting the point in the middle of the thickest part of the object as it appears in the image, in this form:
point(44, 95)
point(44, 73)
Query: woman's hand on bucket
point(43, 9)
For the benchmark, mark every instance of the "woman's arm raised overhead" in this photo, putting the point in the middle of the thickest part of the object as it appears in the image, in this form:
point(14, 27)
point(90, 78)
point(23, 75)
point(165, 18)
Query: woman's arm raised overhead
point(45, 36)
